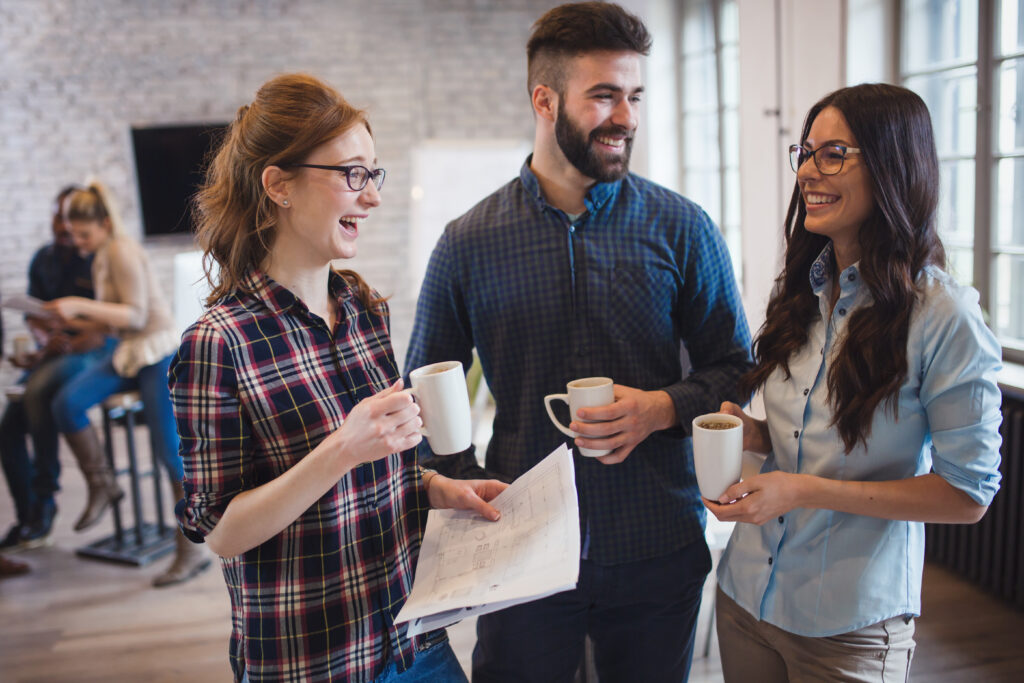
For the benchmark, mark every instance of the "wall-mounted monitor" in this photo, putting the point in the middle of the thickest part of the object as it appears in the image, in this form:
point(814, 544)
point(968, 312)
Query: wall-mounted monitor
point(170, 164)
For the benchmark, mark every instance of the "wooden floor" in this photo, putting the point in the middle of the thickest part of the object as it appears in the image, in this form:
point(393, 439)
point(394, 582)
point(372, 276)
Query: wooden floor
point(82, 620)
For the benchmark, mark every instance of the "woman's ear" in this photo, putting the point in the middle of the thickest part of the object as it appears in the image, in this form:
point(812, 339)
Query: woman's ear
point(275, 183)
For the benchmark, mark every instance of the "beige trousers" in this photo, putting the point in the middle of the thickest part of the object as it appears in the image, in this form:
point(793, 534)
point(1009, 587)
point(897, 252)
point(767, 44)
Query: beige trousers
point(755, 650)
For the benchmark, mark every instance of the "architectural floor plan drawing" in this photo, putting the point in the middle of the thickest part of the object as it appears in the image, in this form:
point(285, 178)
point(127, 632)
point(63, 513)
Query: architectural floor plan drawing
point(469, 565)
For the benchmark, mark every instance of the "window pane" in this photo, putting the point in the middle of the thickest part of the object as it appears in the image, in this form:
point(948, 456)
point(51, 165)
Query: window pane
point(1009, 209)
point(951, 97)
point(961, 264)
point(700, 87)
point(1011, 27)
point(1008, 304)
point(700, 141)
point(937, 32)
point(698, 28)
point(956, 204)
point(702, 187)
point(1009, 111)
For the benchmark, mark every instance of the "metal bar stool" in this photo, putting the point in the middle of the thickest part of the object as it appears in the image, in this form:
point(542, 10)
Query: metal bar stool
point(145, 541)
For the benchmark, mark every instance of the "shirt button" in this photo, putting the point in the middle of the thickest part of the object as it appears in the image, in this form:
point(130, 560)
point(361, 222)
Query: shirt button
point(806, 391)
point(796, 433)
point(769, 560)
point(842, 311)
point(781, 519)
point(852, 277)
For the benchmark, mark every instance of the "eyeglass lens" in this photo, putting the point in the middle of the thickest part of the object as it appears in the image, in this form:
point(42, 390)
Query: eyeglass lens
point(358, 176)
point(829, 159)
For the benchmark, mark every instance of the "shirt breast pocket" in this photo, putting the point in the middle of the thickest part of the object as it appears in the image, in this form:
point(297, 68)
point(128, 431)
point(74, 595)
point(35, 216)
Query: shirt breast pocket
point(638, 304)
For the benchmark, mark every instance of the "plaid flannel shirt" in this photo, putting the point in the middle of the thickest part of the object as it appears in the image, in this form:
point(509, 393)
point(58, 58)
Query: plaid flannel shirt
point(618, 292)
point(258, 382)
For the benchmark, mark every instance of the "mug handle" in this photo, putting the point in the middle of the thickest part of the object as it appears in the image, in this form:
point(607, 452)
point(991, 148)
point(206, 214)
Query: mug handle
point(412, 392)
point(547, 404)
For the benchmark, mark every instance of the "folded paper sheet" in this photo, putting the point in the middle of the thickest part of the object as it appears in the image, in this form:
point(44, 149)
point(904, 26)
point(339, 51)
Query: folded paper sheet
point(469, 565)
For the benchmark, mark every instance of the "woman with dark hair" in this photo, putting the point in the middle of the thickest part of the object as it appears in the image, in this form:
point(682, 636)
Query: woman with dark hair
point(296, 437)
point(878, 378)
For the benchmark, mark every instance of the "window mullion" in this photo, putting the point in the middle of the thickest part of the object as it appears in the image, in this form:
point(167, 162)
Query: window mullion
point(985, 148)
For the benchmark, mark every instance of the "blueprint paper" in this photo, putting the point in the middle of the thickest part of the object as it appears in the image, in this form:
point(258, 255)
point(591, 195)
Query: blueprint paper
point(469, 565)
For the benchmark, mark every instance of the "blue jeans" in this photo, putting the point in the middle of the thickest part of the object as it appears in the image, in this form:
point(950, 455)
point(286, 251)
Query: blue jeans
point(436, 664)
point(99, 381)
point(641, 617)
point(33, 481)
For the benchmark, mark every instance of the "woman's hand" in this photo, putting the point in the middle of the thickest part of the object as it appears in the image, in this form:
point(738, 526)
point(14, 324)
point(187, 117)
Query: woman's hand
point(465, 494)
point(66, 307)
point(760, 499)
point(756, 437)
point(385, 423)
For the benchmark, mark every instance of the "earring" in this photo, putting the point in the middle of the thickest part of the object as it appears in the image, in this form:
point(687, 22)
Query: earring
point(285, 202)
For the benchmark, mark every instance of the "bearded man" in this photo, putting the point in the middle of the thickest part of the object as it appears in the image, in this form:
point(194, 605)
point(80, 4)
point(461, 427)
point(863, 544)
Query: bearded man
point(579, 268)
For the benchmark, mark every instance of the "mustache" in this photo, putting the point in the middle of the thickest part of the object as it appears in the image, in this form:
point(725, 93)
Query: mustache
point(608, 131)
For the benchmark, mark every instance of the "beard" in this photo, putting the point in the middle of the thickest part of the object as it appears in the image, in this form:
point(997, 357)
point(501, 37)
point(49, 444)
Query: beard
point(578, 148)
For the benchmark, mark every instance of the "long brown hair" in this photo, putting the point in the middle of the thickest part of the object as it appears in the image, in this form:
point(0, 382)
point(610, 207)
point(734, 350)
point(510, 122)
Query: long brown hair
point(290, 117)
point(894, 133)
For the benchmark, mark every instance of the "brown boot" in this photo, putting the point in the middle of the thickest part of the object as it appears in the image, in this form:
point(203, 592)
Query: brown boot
point(190, 560)
point(103, 488)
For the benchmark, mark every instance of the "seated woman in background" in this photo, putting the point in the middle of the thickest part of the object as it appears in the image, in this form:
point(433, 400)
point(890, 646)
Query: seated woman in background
point(879, 382)
point(128, 302)
point(295, 435)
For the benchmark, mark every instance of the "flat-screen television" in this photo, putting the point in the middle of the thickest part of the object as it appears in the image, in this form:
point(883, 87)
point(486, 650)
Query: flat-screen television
point(170, 163)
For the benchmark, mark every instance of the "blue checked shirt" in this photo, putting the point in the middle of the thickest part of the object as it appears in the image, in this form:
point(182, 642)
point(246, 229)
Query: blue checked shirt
point(258, 383)
point(820, 572)
point(617, 293)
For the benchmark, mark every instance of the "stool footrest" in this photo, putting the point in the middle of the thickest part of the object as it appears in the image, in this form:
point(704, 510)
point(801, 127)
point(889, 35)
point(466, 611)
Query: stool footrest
point(156, 543)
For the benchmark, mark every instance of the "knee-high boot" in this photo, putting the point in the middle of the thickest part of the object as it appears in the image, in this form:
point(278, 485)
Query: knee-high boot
point(190, 559)
point(103, 488)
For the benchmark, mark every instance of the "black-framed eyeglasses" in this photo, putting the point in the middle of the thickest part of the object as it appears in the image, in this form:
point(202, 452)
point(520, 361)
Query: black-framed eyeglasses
point(828, 158)
point(355, 176)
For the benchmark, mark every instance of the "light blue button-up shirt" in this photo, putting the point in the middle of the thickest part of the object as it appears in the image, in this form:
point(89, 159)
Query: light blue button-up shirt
point(821, 572)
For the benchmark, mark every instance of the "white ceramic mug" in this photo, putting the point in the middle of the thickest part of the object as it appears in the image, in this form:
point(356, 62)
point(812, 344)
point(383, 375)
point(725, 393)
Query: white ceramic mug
point(22, 347)
point(440, 390)
point(582, 393)
point(717, 453)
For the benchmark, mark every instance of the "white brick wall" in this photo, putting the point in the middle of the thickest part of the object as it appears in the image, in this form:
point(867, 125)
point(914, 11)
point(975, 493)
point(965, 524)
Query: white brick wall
point(76, 74)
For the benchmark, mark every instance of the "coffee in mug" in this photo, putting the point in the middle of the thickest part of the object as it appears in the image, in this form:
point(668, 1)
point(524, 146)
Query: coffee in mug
point(717, 452)
point(440, 390)
point(582, 393)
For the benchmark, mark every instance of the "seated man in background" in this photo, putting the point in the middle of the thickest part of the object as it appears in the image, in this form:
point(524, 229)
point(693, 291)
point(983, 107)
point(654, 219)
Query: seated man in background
point(56, 270)
point(9, 567)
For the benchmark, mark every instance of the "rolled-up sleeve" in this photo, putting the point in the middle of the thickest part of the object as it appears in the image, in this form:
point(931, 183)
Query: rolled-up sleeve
point(214, 429)
point(961, 396)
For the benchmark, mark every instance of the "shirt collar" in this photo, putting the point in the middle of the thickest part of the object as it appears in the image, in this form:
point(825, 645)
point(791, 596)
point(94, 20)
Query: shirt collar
point(821, 271)
point(279, 298)
point(597, 196)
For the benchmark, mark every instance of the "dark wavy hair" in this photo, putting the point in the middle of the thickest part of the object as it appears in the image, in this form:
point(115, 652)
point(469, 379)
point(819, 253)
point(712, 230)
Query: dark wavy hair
point(894, 132)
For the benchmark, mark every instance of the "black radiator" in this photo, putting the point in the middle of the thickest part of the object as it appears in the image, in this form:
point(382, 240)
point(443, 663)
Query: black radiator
point(990, 553)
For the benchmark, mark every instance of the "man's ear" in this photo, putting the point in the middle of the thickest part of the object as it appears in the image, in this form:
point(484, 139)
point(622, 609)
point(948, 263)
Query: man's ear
point(275, 184)
point(545, 102)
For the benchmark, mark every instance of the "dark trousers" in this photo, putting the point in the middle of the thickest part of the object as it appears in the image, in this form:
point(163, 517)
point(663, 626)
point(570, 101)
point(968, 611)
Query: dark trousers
point(33, 480)
point(641, 617)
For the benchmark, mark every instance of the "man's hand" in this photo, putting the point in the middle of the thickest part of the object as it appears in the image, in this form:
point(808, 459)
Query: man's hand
point(634, 416)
